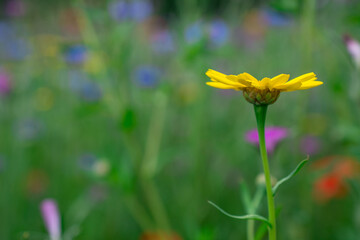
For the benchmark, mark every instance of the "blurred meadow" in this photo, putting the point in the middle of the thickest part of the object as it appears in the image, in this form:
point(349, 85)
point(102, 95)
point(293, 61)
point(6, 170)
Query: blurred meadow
point(104, 113)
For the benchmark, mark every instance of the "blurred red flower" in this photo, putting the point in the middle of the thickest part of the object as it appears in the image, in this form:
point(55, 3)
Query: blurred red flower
point(332, 184)
point(159, 236)
point(346, 168)
point(328, 187)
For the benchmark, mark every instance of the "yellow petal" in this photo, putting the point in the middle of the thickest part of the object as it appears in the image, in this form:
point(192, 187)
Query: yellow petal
point(309, 79)
point(243, 81)
point(310, 84)
point(220, 85)
point(280, 79)
point(220, 77)
point(288, 88)
point(247, 77)
point(302, 78)
point(264, 83)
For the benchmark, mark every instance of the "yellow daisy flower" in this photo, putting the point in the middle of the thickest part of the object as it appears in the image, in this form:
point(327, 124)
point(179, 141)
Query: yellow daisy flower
point(265, 91)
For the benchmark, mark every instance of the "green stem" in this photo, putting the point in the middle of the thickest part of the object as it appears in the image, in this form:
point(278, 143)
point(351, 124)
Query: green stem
point(250, 229)
point(260, 113)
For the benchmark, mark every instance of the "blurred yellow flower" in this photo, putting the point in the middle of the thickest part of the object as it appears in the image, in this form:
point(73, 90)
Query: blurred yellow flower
point(94, 64)
point(48, 45)
point(44, 99)
point(265, 91)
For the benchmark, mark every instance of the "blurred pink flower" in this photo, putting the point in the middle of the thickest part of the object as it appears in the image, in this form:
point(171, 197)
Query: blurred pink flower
point(353, 48)
point(5, 83)
point(50, 214)
point(15, 8)
point(273, 135)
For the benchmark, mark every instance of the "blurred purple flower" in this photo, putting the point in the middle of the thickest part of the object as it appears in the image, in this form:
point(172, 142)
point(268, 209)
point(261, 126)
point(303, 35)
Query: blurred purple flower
point(76, 54)
point(141, 10)
point(162, 42)
point(218, 32)
point(273, 135)
point(194, 32)
point(15, 8)
point(98, 193)
point(51, 216)
point(276, 19)
point(353, 47)
point(138, 10)
point(147, 76)
point(119, 10)
point(5, 83)
point(310, 145)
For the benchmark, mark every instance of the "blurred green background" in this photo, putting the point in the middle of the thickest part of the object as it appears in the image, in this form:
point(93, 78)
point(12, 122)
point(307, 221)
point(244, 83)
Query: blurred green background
point(104, 109)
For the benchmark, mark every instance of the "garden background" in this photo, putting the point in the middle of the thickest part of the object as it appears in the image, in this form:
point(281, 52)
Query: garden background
point(104, 111)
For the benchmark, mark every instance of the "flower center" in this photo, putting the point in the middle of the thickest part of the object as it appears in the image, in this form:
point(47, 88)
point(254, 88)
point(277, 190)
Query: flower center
point(260, 97)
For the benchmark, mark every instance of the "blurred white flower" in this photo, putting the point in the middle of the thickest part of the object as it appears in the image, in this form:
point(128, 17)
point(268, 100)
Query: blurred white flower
point(101, 167)
point(353, 47)
point(260, 180)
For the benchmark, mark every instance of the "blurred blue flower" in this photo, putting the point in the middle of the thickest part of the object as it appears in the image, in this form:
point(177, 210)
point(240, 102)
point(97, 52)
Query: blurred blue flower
point(6, 31)
point(84, 87)
point(147, 76)
point(87, 161)
point(28, 129)
point(162, 42)
point(11, 46)
point(76, 78)
point(119, 10)
point(218, 32)
point(141, 10)
point(76, 54)
point(276, 19)
point(137, 10)
point(15, 49)
point(194, 32)
point(91, 92)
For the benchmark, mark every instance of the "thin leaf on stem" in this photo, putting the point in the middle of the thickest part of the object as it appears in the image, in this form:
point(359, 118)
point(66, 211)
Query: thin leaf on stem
point(243, 217)
point(292, 174)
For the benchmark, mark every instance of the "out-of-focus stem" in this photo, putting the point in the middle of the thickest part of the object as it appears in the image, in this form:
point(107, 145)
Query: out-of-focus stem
point(138, 212)
point(150, 162)
point(250, 229)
